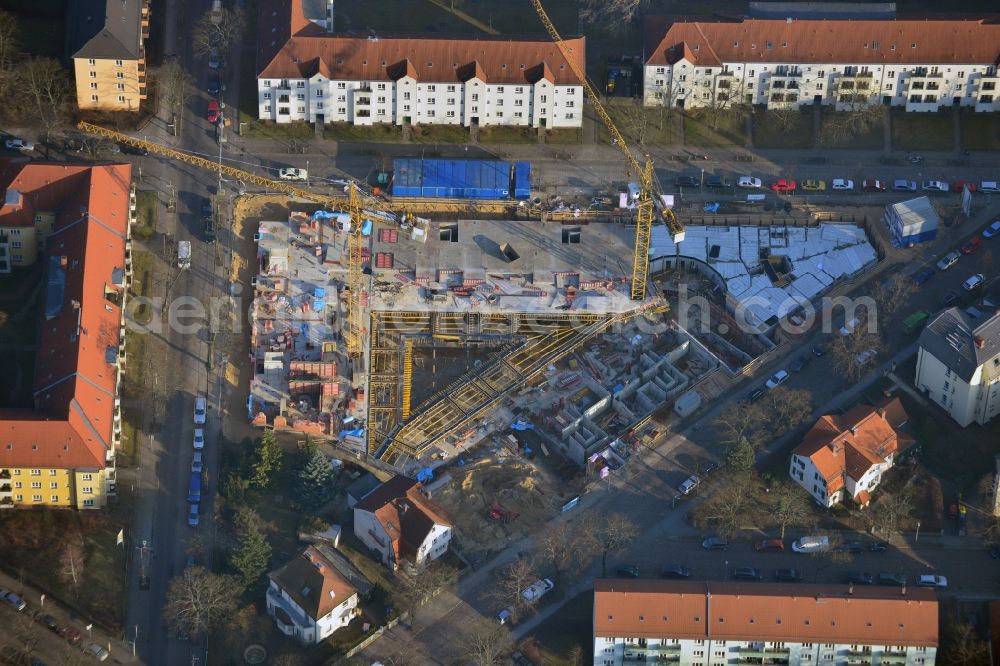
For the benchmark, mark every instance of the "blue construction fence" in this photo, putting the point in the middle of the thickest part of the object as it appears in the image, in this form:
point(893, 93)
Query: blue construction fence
point(461, 179)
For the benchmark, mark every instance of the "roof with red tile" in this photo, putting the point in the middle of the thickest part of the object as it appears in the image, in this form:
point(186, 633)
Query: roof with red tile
point(899, 42)
point(314, 583)
point(765, 612)
point(72, 422)
point(406, 515)
point(290, 46)
point(852, 443)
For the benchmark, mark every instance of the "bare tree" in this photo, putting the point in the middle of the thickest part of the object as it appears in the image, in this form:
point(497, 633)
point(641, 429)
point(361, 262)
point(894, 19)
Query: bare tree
point(8, 39)
point(20, 635)
point(779, 119)
point(633, 120)
point(789, 506)
point(830, 556)
point(741, 422)
point(787, 409)
point(510, 582)
point(728, 509)
point(199, 600)
point(615, 16)
point(575, 655)
point(889, 510)
point(47, 90)
point(849, 354)
point(565, 546)
point(725, 98)
point(487, 643)
point(890, 295)
point(426, 583)
point(174, 83)
point(614, 532)
point(962, 645)
point(219, 30)
point(72, 561)
point(859, 114)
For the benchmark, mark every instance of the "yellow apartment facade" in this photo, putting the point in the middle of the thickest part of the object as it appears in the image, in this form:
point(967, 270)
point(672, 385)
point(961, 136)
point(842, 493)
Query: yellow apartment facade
point(109, 53)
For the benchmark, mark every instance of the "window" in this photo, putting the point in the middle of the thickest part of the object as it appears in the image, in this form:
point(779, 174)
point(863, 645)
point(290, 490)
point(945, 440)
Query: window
point(267, 108)
point(451, 101)
point(15, 244)
point(17, 484)
point(432, 101)
point(380, 112)
point(86, 477)
point(120, 75)
point(36, 498)
point(36, 472)
point(518, 114)
point(17, 472)
point(381, 100)
point(53, 485)
point(93, 86)
point(380, 86)
point(118, 63)
point(499, 114)
point(93, 75)
point(341, 110)
point(91, 62)
point(300, 84)
point(300, 97)
point(406, 96)
point(55, 498)
point(430, 113)
point(500, 89)
point(543, 99)
point(18, 498)
point(121, 87)
point(36, 484)
point(88, 502)
point(319, 92)
point(569, 104)
point(500, 102)
point(341, 85)
point(88, 490)
point(450, 88)
point(121, 99)
point(319, 105)
point(430, 88)
point(569, 116)
point(341, 98)
point(660, 70)
point(450, 114)
point(406, 107)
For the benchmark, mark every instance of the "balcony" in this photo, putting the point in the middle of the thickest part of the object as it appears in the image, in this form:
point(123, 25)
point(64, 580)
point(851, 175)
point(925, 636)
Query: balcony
point(933, 86)
point(4, 473)
point(893, 658)
point(6, 489)
point(6, 503)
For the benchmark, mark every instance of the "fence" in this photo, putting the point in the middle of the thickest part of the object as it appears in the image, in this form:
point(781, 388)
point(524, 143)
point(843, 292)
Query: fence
point(369, 640)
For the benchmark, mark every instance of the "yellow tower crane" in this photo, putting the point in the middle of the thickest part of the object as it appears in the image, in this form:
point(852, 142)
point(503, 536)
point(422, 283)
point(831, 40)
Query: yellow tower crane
point(649, 187)
point(355, 204)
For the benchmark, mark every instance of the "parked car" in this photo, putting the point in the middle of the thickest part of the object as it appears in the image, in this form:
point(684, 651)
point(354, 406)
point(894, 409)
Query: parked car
point(948, 299)
point(948, 260)
point(755, 394)
point(843, 184)
point(865, 356)
point(215, 85)
point(199, 410)
point(777, 379)
point(537, 590)
point(959, 185)
point(98, 652)
point(687, 181)
point(212, 112)
point(47, 621)
point(748, 181)
point(923, 276)
point(799, 363)
point(129, 149)
point(197, 464)
point(193, 515)
point(992, 230)
point(873, 186)
point(971, 245)
point(852, 547)
point(812, 185)
point(209, 231)
point(770, 546)
point(214, 61)
point(989, 186)
point(787, 575)
point(689, 484)
point(879, 547)
point(207, 210)
point(896, 579)
point(904, 186)
point(973, 282)
point(13, 600)
point(934, 186)
point(849, 326)
point(916, 159)
point(818, 351)
point(291, 173)
point(71, 634)
point(859, 578)
point(783, 185)
point(718, 181)
point(628, 571)
point(747, 573)
point(715, 543)
point(674, 571)
point(19, 144)
point(929, 580)
point(504, 616)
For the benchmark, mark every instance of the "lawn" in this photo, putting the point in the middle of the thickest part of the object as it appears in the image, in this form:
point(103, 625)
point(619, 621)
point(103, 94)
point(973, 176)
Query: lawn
point(517, 17)
point(400, 16)
point(17, 383)
point(980, 131)
point(650, 126)
point(41, 26)
point(146, 205)
point(441, 134)
point(860, 141)
point(551, 642)
point(564, 136)
point(489, 135)
point(921, 131)
point(729, 130)
point(380, 133)
point(789, 129)
point(268, 129)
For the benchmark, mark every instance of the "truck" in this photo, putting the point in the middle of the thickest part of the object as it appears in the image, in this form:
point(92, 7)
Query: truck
point(184, 254)
point(811, 544)
point(537, 590)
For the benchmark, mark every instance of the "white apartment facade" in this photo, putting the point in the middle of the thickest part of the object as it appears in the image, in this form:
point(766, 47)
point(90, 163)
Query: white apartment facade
point(421, 81)
point(958, 366)
point(915, 65)
point(711, 624)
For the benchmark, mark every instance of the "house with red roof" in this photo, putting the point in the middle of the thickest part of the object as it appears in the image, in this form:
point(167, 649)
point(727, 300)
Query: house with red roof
point(400, 523)
point(845, 455)
point(916, 65)
point(57, 446)
point(305, 73)
point(309, 598)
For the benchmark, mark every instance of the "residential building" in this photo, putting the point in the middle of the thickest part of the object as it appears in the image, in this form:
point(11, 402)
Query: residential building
point(845, 455)
point(58, 440)
point(308, 74)
point(401, 524)
point(107, 41)
point(707, 623)
point(309, 598)
point(958, 364)
point(917, 65)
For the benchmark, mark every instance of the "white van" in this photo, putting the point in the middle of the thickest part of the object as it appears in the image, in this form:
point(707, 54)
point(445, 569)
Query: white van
point(811, 544)
point(989, 186)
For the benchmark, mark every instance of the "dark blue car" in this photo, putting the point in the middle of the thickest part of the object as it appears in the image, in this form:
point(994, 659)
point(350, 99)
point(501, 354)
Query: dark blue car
point(923, 276)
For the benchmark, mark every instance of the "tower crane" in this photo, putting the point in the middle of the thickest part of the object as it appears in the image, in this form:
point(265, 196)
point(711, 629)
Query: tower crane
point(648, 203)
point(355, 205)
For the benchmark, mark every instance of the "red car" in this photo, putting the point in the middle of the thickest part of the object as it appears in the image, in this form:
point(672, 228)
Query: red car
point(958, 185)
point(71, 635)
point(783, 185)
point(769, 546)
point(873, 186)
point(971, 245)
point(213, 112)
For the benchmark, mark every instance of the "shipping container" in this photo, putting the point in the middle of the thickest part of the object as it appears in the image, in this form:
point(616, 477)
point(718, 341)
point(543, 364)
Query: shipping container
point(522, 180)
point(451, 179)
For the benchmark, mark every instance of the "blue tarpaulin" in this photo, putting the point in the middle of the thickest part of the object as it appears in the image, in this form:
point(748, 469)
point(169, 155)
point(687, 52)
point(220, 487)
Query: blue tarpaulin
point(356, 432)
point(711, 208)
point(426, 474)
point(366, 228)
point(521, 424)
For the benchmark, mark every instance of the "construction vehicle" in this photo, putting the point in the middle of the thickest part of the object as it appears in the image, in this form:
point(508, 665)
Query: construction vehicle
point(499, 514)
point(649, 201)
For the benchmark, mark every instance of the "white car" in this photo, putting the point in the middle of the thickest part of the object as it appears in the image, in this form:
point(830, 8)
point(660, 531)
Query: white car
point(842, 184)
point(193, 517)
point(537, 589)
point(97, 652)
point(749, 181)
point(196, 463)
point(928, 580)
point(989, 186)
point(992, 230)
point(865, 356)
point(689, 484)
point(777, 379)
point(199, 439)
point(19, 144)
point(199, 410)
point(973, 282)
point(934, 186)
point(849, 326)
point(291, 173)
point(948, 260)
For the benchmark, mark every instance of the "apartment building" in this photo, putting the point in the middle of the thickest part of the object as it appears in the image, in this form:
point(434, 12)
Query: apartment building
point(400, 523)
point(107, 45)
point(845, 455)
point(58, 436)
point(309, 598)
point(308, 74)
point(706, 623)
point(958, 365)
point(924, 65)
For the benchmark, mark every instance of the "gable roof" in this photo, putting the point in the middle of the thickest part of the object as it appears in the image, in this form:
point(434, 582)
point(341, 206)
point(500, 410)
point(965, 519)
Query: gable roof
point(852, 443)
point(900, 42)
point(314, 583)
point(105, 28)
point(765, 612)
point(406, 515)
point(953, 338)
point(75, 384)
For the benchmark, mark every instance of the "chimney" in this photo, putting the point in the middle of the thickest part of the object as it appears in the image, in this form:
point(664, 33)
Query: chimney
point(902, 591)
point(850, 588)
point(854, 430)
point(980, 342)
point(880, 411)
